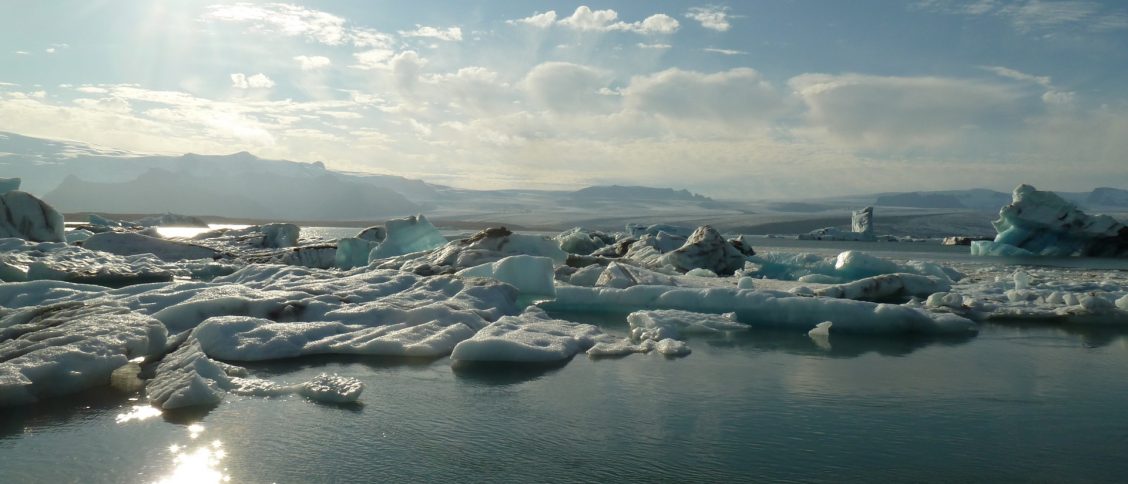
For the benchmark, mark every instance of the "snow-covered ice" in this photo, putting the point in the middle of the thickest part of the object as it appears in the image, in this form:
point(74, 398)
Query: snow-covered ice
point(1043, 223)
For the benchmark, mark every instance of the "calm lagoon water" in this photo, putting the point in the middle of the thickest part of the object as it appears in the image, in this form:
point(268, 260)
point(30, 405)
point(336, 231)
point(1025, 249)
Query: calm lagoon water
point(1030, 403)
point(1015, 403)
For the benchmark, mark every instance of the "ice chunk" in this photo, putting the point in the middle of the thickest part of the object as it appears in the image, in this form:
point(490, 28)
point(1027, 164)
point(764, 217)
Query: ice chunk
point(531, 337)
point(861, 222)
point(886, 287)
point(672, 347)
point(62, 349)
point(332, 389)
point(126, 243)
point(699, 272)
point(820, 334)
point(373, 234)
point(624, 275)
point(279, 235)
point(489, 245)
point(945, 299)
point(533, 276)
point(408, 235)
point(762, 308)
point(661, 324)
point(580, 241)
point(315, 256)
point(352, 252)
point(621, 347)
point(989, 248)
point(1122, 303)
point(1043, 223)
point(587, 276)
point(26, 217)
point(9, 184)
point(77, 235)
point(706, 249)
point(1021, 280)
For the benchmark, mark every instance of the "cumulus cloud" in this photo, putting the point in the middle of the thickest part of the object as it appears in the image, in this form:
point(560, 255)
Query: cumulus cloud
point(884, 112)
point(711, 17)
point(312, 63)
point(540, 20)
point(405, 68)
point(565, 87)
point(256, 81)
point(451, 34)
point(735, 96)
point(586, 19)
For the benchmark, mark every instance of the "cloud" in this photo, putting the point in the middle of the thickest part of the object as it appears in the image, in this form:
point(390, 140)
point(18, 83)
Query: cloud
point(1018, 75)
point(896, 113)
point(21, 52)
point(724, 51)
point(1032, 15)
point(405, 68)
point(586, 19)
point(296, 21)
point(49, 50)
point(312, 63)
point(451, 34)
point(653, 46)
point(711, 17)
point(540, 20)
point(372, 59)
point(256, 81)
point(564, 87)
point(738, 95)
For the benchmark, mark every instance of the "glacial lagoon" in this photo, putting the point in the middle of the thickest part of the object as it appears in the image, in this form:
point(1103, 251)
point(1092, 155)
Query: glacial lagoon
point(1019, 401)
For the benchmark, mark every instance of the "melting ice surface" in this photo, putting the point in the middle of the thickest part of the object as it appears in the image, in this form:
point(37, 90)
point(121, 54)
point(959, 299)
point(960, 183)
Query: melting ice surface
point(447, 328)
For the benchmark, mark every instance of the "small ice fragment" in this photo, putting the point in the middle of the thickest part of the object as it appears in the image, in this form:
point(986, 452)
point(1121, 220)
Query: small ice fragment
point(672, 347)
point(1021, 280)
point(1122, 303)
point(746, 283)
point(820, 334)
point(332, 389)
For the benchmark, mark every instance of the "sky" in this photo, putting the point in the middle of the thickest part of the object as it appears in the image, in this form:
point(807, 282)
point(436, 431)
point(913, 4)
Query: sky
point(748, 99)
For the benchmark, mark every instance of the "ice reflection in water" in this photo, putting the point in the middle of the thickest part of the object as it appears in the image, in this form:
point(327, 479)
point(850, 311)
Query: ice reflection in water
point(197, 465)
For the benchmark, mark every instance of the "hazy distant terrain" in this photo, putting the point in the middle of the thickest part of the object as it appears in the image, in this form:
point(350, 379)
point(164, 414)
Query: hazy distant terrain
point(76, 177)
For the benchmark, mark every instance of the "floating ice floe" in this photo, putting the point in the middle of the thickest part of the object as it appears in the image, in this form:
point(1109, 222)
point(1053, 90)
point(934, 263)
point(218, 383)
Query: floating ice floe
point(27, 217)
point(763, 308)
point(54, 350)
point(583, 242)
point(128, 243)
point(531, 337)
point(1042, 223)
point(531, 275)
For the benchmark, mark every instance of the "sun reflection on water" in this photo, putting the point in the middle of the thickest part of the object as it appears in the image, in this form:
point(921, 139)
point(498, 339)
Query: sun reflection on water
point(197, 465)
point(138, 412)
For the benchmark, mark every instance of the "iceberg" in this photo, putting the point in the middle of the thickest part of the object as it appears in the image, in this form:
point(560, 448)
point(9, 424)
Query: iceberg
point(1043, 223)
point(706, 249)
point(583, 242)
point(408, 235)
point(531, 275)
point(27, 217)
point(352, 252)
point(489, 245)
point(373, 234)
point(658, 325)
point(172, 220)
point(9, 184)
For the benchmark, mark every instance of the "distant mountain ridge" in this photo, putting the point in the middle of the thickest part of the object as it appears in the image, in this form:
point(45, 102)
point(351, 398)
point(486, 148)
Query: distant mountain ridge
point(637, 193)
